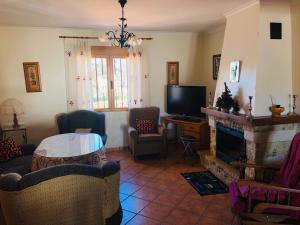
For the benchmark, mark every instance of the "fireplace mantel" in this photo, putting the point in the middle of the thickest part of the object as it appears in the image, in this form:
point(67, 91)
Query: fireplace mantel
point(255, 121)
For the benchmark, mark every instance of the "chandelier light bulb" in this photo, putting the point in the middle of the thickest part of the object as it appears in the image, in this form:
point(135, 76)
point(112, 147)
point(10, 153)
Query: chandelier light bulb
point(139, 41)
point(102, 38)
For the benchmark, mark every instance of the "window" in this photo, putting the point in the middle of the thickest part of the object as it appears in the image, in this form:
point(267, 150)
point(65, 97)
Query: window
point(109, 78)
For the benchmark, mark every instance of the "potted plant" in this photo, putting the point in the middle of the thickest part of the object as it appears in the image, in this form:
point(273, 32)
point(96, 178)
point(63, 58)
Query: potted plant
point(225, 101)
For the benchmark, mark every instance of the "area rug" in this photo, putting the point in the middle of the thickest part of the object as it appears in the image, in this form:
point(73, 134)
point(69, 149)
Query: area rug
point(205, 183)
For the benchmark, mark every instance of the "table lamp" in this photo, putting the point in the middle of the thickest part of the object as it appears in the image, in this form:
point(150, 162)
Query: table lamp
point(13, 107)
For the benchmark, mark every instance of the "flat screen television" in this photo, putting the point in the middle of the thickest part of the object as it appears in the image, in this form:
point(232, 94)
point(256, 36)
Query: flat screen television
point(186, 100)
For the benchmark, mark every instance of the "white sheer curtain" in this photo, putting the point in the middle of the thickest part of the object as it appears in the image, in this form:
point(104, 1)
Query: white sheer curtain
point(138, 80)
point(78, 74)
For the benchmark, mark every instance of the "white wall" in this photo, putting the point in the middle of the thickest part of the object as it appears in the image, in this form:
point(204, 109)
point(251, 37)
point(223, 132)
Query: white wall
point(212, 43)
point(266, 64)
point(33, 45)
point(274, 71)
point(295, 12)
point(25, 44)
point(240, 41)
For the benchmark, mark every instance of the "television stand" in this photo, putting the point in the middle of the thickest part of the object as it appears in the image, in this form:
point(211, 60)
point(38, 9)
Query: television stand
point(188, 119)
point(198, 129)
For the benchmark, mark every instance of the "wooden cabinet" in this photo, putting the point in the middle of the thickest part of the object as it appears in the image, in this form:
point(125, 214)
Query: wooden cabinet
point(199, 130)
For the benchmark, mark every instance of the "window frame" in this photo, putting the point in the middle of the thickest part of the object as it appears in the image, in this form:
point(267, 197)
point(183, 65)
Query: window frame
point(109, 53)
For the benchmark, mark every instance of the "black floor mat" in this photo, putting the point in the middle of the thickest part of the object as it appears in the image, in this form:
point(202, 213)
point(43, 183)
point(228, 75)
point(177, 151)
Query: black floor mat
point(205, 183)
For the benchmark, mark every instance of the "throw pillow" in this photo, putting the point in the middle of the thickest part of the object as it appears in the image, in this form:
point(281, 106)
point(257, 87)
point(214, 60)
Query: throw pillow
point(145, 126)
point(9, 149)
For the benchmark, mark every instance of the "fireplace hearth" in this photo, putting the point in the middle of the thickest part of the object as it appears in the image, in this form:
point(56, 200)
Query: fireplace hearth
point(230, 144)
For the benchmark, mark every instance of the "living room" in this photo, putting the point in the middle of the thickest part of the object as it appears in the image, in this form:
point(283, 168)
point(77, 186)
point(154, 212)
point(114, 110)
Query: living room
point(189, 36)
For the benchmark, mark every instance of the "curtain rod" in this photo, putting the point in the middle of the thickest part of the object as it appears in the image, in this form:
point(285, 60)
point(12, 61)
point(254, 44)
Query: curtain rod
point(143, 38)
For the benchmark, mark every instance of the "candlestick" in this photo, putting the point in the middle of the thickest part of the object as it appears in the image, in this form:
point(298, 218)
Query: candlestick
point(294, 105)
point(209, 101)
point(250, 116)
point(290, 113)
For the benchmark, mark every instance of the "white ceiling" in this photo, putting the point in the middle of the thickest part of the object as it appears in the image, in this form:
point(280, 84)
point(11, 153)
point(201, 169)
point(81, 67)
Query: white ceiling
point(166, 15)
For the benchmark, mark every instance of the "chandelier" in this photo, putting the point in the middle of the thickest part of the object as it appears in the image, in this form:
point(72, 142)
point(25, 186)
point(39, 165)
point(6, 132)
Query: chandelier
point(121, 37)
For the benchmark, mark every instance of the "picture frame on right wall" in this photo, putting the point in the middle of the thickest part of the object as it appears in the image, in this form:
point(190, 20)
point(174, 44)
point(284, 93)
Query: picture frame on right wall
point(235, 67)
point(216, 65)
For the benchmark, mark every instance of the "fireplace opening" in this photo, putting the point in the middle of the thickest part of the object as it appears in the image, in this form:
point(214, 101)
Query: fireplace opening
point(230, 144)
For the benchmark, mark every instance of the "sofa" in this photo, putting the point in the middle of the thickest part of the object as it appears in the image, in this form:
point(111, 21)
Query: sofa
point(70, 194)
point(80, 119)
point(20, 164)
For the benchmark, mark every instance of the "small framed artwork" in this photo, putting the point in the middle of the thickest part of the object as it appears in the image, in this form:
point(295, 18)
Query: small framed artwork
point(173, 73)
point(32, 76)
point(216, 65)
point(234, 75)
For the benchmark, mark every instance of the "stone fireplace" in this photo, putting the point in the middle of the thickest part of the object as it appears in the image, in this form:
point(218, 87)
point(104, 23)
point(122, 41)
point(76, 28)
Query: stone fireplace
point(261, 140)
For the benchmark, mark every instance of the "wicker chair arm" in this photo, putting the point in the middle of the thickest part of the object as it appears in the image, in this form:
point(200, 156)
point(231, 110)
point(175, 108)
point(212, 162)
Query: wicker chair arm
point(259, 208)
point(266, 186)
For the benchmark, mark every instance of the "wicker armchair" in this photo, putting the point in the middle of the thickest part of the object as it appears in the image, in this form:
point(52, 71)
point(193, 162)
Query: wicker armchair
point(281, 193)
point(62, 195)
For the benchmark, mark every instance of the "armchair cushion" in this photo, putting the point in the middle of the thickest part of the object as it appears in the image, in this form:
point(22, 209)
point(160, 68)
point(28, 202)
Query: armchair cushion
point(151, 137)
point(146, 126)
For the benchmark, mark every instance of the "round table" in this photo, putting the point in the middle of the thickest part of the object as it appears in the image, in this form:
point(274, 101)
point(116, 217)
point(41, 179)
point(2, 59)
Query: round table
point(69, 148)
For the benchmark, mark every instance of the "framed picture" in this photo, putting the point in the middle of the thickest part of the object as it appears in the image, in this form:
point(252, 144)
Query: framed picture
point(216, 65)
point(234, 75)
point(32, 76)
point(173, 73)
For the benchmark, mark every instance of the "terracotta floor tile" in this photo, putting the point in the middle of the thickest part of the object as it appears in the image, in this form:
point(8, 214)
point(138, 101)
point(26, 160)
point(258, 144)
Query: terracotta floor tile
point(158, 185)
point(182, 217)
point(139, 179)
point(218, 212)
point(123, 197)
point(210, 221)
point(147, 193)
point(156, 211)
point(134, 204)
point(155, 189)
point(141, 220)
point(127, 216)
point(129, 188)
point(126, 176)
point(170, 199)
point(192, 205)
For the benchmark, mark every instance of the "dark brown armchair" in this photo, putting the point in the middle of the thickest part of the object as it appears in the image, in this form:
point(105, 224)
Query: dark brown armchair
point(146, 144)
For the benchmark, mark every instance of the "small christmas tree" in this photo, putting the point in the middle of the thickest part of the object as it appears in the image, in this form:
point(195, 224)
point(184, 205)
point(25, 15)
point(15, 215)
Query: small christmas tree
point(225, 101)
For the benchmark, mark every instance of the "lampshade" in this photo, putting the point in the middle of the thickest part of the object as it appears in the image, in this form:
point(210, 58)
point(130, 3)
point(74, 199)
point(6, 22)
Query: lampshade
point(11, 106)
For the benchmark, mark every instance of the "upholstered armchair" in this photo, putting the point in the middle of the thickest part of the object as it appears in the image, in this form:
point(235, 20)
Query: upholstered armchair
point(280, 196)
point(146, 143)
point(64, 194)
point(69, 122)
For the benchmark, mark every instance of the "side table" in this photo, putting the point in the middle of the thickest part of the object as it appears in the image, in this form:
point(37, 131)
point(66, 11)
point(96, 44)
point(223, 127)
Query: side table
point(14, 132)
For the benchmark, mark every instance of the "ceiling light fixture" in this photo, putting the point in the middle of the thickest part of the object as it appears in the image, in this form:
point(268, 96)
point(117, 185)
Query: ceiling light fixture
point(120, 37)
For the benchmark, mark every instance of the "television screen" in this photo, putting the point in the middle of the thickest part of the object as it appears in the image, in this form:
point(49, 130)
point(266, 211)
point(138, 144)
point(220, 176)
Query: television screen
point(186, 100)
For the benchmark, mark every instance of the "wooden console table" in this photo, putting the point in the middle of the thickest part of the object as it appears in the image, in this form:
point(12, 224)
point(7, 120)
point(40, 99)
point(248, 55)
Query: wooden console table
point(200, 130)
